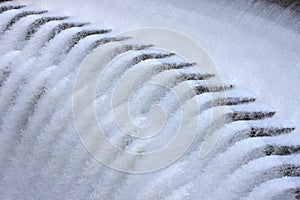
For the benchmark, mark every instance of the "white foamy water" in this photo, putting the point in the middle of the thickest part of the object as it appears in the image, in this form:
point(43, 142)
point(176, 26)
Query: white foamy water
point(42, 157)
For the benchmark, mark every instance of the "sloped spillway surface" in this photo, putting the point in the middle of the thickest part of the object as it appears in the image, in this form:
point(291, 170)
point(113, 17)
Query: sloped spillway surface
point(256, 156)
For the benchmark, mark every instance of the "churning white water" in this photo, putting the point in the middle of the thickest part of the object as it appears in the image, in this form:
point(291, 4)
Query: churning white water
point(41, 154)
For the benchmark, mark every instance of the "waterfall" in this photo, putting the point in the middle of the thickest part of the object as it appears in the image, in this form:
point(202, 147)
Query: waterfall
point(256, 155)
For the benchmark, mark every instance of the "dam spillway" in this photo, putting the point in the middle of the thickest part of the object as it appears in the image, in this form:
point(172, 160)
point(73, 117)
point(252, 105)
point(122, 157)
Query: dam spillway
point(42, 157)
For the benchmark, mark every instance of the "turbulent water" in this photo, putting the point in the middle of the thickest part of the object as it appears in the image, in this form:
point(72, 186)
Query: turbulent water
point(256, 156)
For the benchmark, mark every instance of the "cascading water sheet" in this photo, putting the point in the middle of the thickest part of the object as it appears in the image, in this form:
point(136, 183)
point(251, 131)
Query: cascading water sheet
point(48, 64)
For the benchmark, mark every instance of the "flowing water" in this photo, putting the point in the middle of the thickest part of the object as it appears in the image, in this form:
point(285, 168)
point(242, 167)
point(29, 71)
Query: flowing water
point(256, 156)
